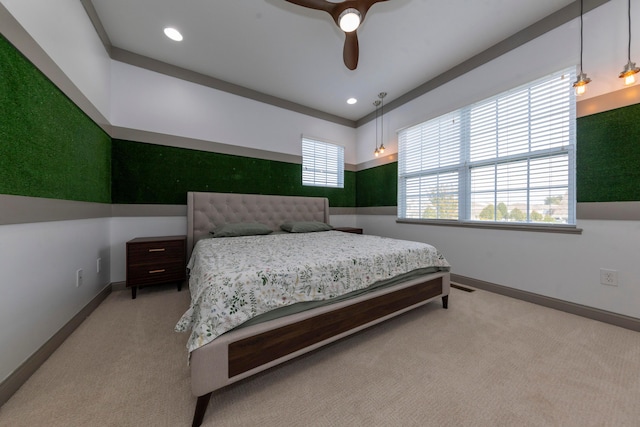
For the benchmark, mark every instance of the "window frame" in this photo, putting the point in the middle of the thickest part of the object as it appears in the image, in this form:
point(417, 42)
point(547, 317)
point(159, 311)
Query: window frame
point(464, 165)
point(322, 167)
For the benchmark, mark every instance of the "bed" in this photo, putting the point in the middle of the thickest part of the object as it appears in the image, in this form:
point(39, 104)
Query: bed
point(226, 348)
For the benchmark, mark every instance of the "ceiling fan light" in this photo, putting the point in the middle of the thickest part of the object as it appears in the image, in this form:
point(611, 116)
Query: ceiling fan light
point(628, 73)
point(349, 20)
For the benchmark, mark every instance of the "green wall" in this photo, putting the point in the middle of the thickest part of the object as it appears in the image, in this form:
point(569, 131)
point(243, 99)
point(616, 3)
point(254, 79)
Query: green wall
point(48, 146)
point(608, 156)
point(607, 162)
point(148, 173)
point(377, 186)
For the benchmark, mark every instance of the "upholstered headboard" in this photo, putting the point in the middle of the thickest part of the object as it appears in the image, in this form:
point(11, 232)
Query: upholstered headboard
point(205, 211)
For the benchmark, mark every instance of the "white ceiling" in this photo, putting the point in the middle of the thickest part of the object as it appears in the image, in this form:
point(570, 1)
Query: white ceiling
point(295, 54)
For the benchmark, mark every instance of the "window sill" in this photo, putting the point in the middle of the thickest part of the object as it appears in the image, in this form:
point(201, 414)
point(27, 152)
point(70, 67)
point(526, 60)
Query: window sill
point(564, 229)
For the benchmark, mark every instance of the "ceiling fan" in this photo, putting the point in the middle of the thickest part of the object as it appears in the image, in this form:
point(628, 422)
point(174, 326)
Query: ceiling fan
point(348, 15)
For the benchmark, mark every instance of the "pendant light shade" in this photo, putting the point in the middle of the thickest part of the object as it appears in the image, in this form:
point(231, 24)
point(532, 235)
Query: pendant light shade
point(630, 69)
point(628, 73)
point(580, 84)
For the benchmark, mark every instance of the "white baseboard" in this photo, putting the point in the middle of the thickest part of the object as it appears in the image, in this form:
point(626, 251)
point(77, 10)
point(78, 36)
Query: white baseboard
point(621, 320)
point(18, 377)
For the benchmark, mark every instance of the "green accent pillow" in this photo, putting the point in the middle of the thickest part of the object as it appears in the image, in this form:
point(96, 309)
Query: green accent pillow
point(241, 229)
point(305, 226)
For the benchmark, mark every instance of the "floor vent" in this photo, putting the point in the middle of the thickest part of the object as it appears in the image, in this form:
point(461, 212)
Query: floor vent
point(462, 288)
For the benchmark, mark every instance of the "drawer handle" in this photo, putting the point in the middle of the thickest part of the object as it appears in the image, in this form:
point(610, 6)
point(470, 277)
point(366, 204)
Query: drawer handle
point(156, 271)
point(156, 250)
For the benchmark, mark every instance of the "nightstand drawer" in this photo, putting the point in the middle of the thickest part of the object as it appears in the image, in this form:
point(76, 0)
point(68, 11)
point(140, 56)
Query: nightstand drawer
point(155, 273)
point(155, 251)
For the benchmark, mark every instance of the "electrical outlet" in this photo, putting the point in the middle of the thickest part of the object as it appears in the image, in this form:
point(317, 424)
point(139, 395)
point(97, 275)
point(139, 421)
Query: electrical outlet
point(78, 278)
point(98, 265)
point(608, 277)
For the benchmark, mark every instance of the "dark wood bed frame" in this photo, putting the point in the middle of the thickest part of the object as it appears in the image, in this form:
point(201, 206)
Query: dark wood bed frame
point(248, 352)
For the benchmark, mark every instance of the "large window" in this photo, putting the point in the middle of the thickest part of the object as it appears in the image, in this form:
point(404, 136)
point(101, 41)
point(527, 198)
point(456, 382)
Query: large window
point(509, 158)
point(322, 164)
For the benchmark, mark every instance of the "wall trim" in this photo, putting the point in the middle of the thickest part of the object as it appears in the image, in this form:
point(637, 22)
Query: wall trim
point(516, 40)
point(18, 377)
point(22, 40)
point(616, 211)
point(97, 24)
point(609, 317)
point(342, 211)
point(147, 63)
point(377, 210)
point(124, 210)
point(609, 101)
point(379, 161)
point(148, 137)
point(26, 209)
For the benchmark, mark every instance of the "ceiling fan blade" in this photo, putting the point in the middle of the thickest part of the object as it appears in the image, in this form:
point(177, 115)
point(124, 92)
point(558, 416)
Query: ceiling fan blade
point(351, 50)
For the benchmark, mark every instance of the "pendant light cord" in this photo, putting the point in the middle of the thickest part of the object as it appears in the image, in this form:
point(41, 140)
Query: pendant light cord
point(376, 128)
point(581, 35)
point(629, 45)
point(377, 104)
point(382, 121)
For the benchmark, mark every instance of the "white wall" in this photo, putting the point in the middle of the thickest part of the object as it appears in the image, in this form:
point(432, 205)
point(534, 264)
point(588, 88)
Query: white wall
point(127, 228)
point(563, 266)
point(605, 54)
point(556, 265)
point(38, 264)
point(155, 102)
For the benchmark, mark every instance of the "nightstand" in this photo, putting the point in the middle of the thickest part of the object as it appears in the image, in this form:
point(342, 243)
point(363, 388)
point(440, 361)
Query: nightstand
point(156, 260)
point(353, 230)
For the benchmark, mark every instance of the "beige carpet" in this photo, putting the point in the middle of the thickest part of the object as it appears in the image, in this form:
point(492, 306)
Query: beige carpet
point(487, 361)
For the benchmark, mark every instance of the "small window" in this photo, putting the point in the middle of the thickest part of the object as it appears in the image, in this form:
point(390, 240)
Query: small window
point(322, 164)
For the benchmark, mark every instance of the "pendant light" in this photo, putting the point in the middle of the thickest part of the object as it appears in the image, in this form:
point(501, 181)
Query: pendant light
point(580, 84)
point(377, 104)
point(630, 69)
point(381, 95)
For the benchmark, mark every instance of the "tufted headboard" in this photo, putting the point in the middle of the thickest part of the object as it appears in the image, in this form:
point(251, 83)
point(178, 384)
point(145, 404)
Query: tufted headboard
point(205, 211)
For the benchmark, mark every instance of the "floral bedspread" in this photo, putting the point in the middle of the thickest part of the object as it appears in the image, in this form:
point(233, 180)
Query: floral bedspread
point(234, 279)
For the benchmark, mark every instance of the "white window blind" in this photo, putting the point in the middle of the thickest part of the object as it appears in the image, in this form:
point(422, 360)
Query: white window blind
point(507, 158)
point(322, 164)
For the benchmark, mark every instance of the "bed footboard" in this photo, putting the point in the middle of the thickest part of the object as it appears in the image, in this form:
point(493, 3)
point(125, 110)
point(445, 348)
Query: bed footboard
point(250, 352)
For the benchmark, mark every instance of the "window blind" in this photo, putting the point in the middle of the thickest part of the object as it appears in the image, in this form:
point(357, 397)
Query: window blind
point(510, 157)
point(322, 164)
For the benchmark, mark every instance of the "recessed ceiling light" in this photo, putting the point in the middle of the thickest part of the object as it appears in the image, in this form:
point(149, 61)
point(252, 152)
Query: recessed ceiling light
point(173, 34)
point(351, 101)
